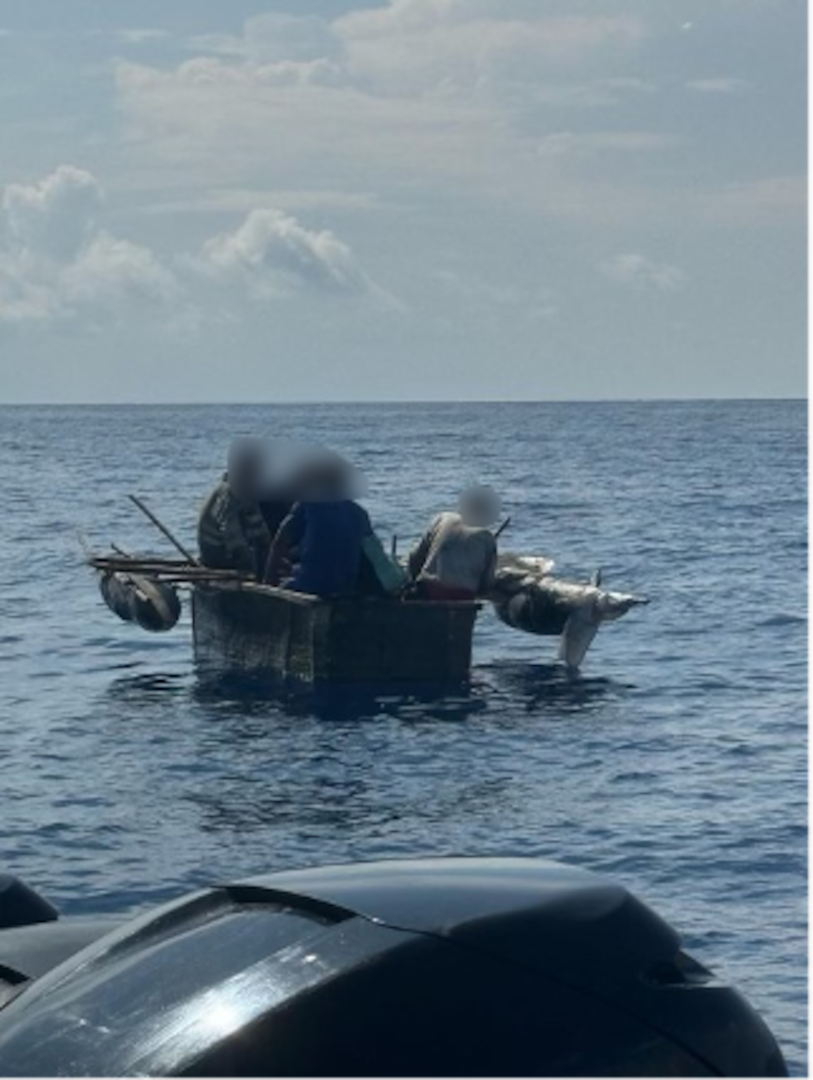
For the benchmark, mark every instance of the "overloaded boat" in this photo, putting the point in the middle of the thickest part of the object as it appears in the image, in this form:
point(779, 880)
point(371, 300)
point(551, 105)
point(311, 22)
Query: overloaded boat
point(421, 967)
point(242, 626)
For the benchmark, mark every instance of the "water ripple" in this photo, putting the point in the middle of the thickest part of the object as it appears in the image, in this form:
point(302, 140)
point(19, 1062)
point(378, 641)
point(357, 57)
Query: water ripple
point(676, 762)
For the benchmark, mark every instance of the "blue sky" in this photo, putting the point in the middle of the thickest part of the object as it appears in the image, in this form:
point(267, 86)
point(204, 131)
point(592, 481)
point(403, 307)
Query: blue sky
point(419, 199)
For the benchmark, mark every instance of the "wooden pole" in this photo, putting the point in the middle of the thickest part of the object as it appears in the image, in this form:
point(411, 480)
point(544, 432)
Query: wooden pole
point(159, 567)
point(160, 525)
point(502, 528)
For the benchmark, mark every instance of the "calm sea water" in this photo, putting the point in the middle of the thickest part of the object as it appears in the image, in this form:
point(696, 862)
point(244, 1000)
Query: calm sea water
point(676, 762)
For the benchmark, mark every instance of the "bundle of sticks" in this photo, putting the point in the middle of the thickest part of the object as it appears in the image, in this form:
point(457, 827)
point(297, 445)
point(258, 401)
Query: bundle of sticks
point(175, 571)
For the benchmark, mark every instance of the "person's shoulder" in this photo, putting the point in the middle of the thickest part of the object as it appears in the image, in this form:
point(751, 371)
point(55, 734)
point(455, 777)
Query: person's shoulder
point(445, 519)
point(485, 537)
point(219, 494)
point(356, 512)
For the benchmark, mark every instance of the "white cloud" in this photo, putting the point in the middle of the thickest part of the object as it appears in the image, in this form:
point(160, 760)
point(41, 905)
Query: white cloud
point(243, 200)
point(641, 273)
point(56, 261)
point(570, 144)
point(272, 253)
point(56, 216)
point(421, 46)
point(415, 94)
point(111, 270)
point(718, 86)
point(411, 102)
point(453, 46)
point(208, 72)
point(768, 199)
point(26, 294)
point(274, 37)
point(147, 36)
point(464, 153)
point(292, 125)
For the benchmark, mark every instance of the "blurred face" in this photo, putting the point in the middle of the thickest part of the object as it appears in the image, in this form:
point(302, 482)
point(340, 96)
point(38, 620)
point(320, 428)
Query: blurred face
point(324, 481)
point(246, 469)
point(325, 477)
point(479, 507)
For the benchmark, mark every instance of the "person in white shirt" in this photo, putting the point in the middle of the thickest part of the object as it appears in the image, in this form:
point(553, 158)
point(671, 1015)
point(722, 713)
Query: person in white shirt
point(456, 558)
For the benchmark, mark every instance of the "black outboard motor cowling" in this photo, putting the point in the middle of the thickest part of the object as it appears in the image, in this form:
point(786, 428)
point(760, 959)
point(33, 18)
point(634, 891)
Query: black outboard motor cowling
point(438, 967)
point(21, 906)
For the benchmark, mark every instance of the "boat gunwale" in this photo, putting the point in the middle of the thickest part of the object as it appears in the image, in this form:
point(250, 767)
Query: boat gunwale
point(257, 588)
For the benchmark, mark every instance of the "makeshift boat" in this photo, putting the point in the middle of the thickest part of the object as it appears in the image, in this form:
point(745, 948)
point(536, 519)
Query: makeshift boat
point(261, 630)
point(243, 627)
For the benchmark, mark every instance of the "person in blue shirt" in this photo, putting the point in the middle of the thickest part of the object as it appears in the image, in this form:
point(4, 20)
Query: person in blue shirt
point(324, 533)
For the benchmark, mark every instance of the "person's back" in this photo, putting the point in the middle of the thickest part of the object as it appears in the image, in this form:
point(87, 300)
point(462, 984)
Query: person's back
point(215, 528)
point(231, 534)
point(231, 531)
point(456, 558)
point(323, 534)
point(329, 536)
point(459, 558)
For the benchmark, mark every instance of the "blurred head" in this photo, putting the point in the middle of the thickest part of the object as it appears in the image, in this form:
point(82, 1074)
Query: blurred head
point(479, 506)
point(326, 477)
point(247, 467)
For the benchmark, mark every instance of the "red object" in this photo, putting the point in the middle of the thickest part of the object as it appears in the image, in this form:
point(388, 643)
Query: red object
point(436, 590)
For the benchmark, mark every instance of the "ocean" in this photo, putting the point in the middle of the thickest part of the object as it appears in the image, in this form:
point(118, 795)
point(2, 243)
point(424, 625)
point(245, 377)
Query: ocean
point(676, 762)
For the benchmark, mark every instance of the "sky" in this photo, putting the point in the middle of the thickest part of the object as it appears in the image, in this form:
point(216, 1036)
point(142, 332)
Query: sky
point(316, 200)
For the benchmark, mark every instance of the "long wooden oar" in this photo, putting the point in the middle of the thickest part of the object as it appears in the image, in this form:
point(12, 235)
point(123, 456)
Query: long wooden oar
point(160, 525)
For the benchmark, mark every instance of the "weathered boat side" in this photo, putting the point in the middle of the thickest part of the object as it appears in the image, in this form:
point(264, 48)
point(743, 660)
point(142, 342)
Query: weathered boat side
point(257, 629)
